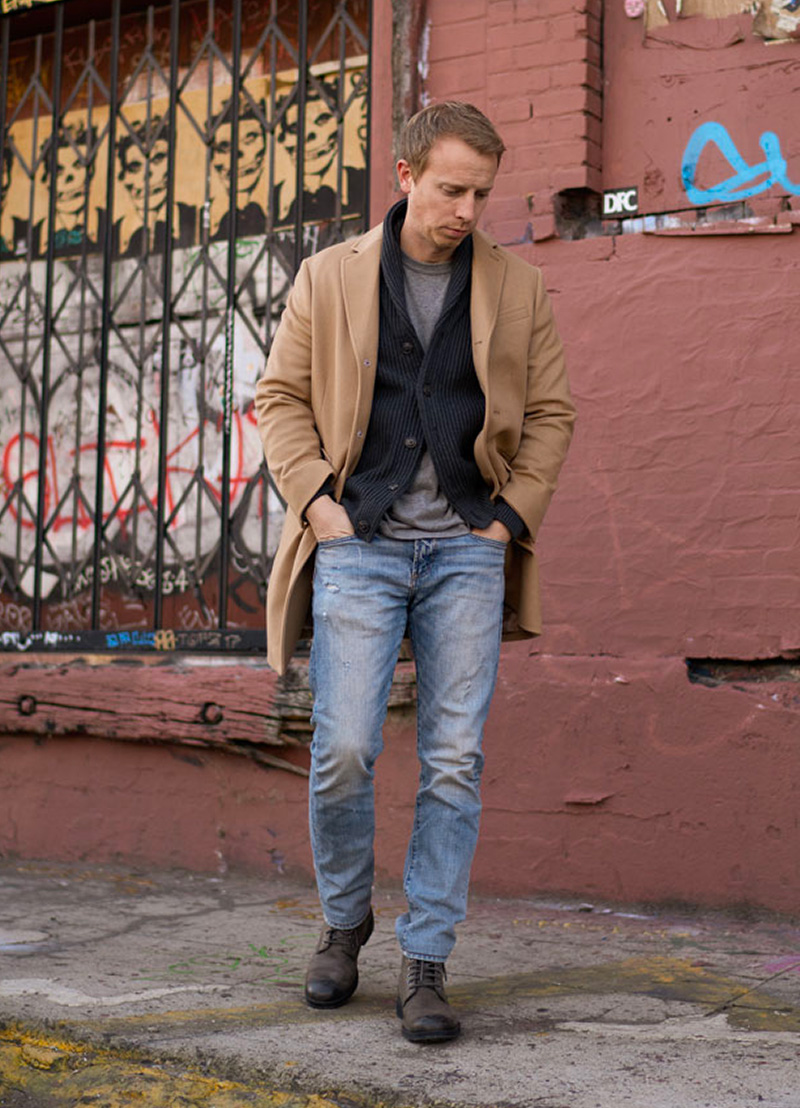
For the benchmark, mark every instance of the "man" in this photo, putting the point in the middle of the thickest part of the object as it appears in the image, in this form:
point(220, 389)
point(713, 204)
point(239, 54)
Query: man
point(143, 154)
point(415, 413)
point(249, 195)
point(74, 172)
point(333, 154)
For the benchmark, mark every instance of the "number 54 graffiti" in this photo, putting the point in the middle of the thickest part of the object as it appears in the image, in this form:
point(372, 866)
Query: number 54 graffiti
point(748, 180)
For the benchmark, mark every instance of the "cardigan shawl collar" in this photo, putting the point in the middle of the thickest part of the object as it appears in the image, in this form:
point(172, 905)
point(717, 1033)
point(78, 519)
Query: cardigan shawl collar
point(421, 398)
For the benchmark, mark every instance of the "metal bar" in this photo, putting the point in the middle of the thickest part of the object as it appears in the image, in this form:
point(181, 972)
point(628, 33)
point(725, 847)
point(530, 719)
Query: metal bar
point(141, 278)
point(175, 18)
point(368, 152)
point(4, 38)
point(302, 82)
point(108, 259)
point(26, 384)
point(341, 112)
point(41, 500)
point(84, 331)
point(230, 321)
point(205, 231)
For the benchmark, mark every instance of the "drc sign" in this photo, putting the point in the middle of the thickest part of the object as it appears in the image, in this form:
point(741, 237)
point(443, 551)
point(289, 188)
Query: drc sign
point(620, 202)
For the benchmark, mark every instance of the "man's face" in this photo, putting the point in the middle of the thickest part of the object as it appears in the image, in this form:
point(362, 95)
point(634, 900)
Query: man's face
point(446, 199)
point(321, 138)
point(71, 176)
point(252, 147)
point(135, 171)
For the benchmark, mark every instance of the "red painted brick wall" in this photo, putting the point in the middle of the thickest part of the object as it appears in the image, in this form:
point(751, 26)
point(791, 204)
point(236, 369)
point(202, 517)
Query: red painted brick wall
point(675, 532)
point(535, 70)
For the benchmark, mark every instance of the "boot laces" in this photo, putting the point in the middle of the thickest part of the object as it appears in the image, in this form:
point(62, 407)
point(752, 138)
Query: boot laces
point(425, 975)
point(348, 939)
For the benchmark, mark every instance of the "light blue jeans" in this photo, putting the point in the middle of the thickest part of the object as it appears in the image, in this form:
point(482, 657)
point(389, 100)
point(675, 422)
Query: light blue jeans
point(449, 592)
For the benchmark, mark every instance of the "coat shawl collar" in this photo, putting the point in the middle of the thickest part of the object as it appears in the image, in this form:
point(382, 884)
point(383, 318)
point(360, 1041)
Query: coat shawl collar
point(360, 276)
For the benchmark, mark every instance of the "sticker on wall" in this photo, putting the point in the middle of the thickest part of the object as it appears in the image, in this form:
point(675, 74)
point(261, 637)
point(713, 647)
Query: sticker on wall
point(778, 19)
point(620, 202)
point(660, 13)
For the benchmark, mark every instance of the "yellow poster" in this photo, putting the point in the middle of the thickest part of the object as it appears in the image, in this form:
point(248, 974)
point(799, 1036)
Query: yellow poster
point(7, 7)
point(333, 179)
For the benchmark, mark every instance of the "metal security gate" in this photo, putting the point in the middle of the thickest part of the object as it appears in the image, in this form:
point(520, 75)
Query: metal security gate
point(164, 172)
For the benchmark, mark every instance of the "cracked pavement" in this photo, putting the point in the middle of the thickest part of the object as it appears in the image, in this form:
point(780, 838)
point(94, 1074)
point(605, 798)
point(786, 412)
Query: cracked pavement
point(115, 982)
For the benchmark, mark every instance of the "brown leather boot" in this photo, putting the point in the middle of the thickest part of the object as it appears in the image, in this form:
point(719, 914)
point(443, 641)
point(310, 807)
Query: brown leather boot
point(422, 1004)
point(333, 971)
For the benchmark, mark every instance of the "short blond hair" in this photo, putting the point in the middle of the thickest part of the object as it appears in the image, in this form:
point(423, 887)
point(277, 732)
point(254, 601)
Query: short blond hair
point(448, 119)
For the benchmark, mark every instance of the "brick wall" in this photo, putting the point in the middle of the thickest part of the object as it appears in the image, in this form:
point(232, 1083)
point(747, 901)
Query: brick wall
point(535, 69)
point(674, 533)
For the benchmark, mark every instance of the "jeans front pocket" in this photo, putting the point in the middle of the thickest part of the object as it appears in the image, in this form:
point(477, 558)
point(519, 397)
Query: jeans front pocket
point(326, 544)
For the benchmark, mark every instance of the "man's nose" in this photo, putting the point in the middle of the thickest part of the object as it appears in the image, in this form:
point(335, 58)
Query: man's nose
point(465, 209)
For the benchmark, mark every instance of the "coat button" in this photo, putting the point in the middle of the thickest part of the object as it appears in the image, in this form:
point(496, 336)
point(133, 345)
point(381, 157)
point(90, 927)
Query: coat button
point(410, 443)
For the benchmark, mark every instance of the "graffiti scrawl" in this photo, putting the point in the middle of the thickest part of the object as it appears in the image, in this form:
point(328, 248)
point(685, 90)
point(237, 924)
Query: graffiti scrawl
point(747, 180)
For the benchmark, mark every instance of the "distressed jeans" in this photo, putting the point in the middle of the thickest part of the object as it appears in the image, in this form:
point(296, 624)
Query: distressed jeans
point(449, 593)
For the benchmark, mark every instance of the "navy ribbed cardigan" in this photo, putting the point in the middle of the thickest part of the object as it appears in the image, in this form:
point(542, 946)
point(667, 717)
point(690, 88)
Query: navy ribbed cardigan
point(423, 398)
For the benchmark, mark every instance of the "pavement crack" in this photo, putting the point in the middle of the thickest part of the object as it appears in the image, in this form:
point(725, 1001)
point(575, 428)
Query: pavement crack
point(762, 982)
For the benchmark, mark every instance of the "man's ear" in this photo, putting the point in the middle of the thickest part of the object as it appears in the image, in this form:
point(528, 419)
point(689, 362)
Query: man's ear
point(404, 175)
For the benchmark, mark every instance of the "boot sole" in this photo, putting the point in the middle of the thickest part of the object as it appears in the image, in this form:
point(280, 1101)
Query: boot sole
point(430, 1036)
point(425, 1036)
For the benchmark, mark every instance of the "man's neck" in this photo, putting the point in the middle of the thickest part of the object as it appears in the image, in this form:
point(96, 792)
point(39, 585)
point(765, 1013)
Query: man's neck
point(420, 250)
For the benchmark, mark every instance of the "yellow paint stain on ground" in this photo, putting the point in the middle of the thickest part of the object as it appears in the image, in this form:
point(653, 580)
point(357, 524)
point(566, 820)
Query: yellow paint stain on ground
point(661, 977)
point(63, 1072)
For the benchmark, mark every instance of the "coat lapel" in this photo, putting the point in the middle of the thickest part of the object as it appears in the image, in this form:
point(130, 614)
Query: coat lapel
point(488, 274)
point(360, 275)
point(361, 293)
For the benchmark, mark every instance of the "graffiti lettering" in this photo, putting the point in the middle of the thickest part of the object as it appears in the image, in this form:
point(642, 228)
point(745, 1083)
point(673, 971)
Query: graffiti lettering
point(82, 520)
point(16, 617)
point(748, 180)
point(13, 640)
point(161, 640)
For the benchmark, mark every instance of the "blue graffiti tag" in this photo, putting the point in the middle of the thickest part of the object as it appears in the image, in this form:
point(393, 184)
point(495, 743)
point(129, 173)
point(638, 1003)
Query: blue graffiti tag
point(741, 184)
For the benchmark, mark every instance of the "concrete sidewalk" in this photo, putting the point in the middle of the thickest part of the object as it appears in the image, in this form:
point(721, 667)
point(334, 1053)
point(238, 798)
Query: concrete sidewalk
point(120, 987)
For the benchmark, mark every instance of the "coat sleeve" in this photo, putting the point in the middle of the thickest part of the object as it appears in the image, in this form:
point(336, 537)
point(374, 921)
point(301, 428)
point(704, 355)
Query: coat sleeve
point(548, 419)
point(284, 404)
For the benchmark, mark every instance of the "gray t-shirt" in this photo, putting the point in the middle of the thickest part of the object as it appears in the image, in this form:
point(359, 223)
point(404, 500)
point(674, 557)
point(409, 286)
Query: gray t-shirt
point(423, 511)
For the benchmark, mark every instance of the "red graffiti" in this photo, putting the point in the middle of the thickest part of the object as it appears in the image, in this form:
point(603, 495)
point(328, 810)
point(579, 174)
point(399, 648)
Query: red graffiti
point(71, 511)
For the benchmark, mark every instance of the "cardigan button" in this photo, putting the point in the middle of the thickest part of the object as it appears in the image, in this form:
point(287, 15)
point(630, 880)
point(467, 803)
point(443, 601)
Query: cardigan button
point(407, 347)
point(426, 390)
point(410, 444)
point(363, 526)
